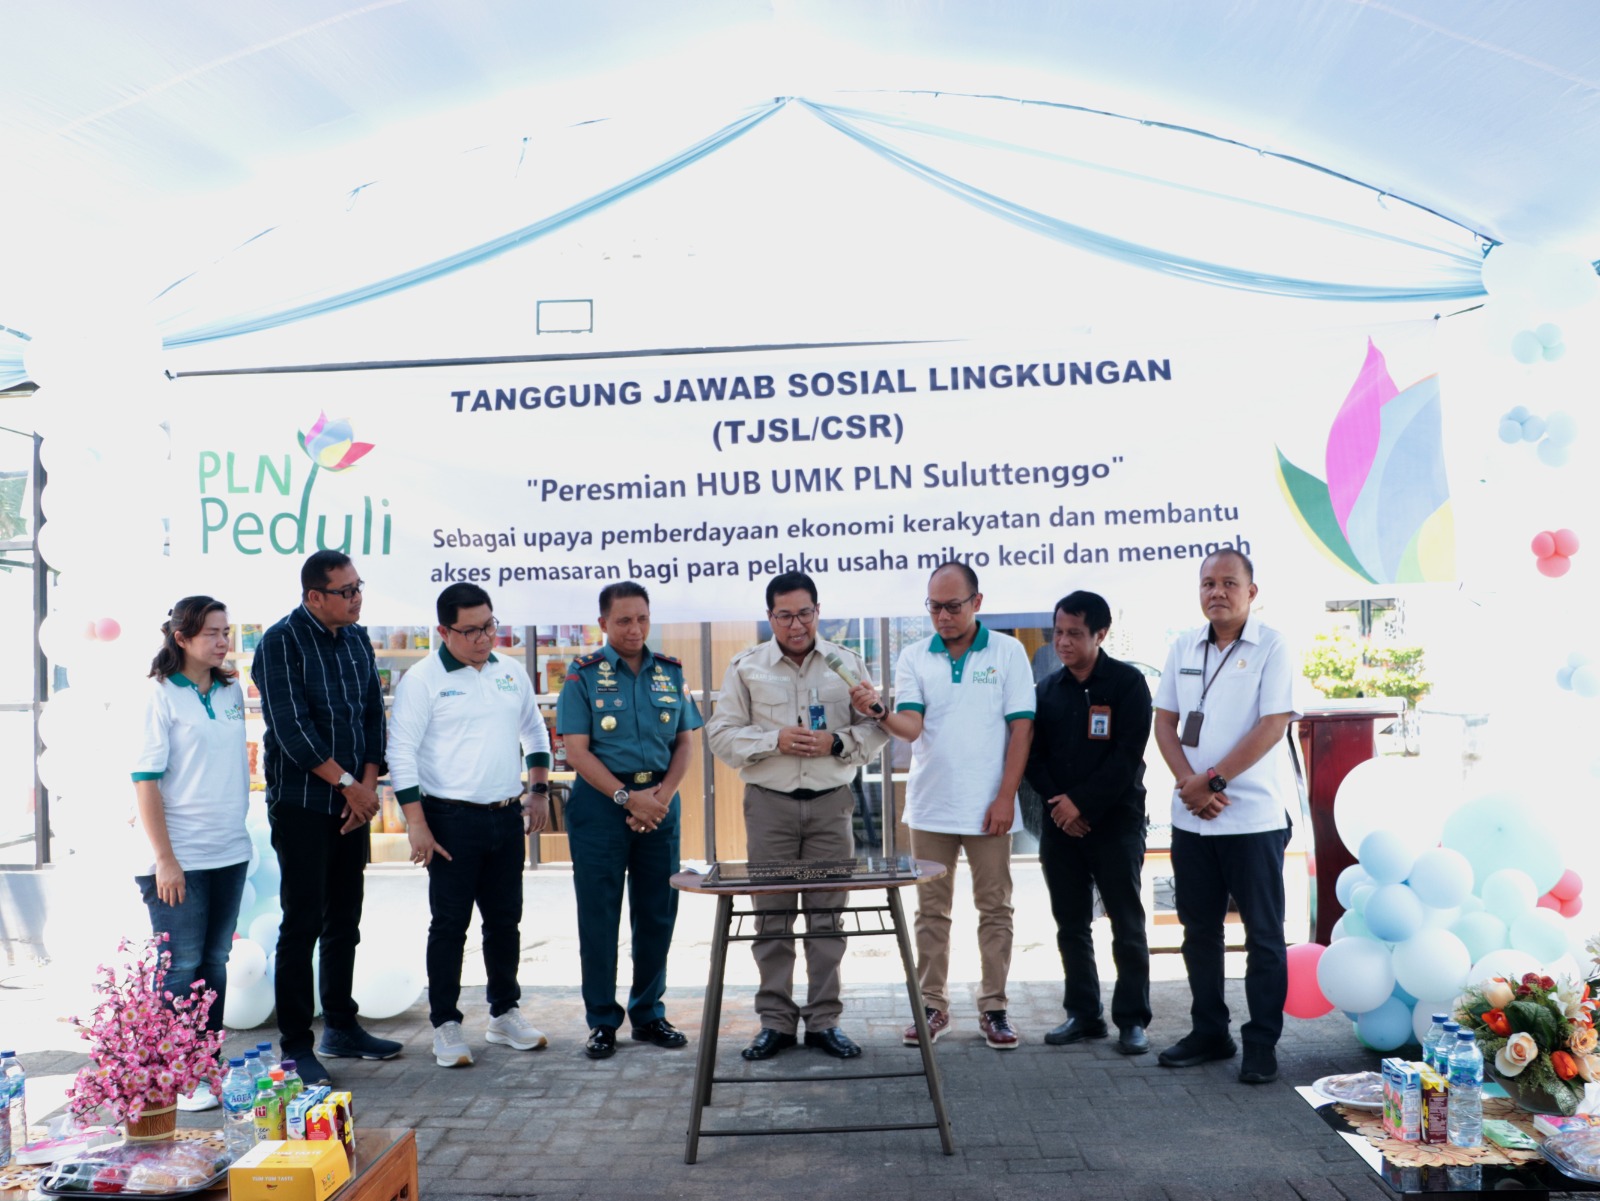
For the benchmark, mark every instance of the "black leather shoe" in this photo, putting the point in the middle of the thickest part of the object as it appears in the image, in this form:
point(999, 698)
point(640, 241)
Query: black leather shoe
point(834, 1041)
point(768, 1043)
point(602, 1043)
point(1191, 1051)
point(1260, 1065)
point(1074, 1031)
point(660, 1033)
point(1132, 1040)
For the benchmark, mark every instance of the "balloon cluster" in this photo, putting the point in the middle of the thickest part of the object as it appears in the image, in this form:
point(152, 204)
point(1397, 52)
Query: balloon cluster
point(1443, 895)
point(1553, 551)
point(1579, 675)
point(1554, 436)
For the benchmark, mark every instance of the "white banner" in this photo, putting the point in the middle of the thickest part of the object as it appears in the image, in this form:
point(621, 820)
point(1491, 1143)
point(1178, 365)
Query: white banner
point(1110, 467)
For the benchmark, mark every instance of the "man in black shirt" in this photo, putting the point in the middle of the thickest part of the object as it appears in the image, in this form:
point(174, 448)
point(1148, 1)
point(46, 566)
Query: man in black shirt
point(1087, 761)
point(322, 753)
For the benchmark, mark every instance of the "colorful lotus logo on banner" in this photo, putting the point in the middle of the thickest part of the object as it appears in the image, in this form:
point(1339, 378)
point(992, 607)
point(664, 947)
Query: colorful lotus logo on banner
point(1384, 512)
point(331, 445)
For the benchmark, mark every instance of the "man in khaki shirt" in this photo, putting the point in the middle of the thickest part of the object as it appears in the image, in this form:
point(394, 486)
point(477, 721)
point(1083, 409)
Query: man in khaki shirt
point(797, 800)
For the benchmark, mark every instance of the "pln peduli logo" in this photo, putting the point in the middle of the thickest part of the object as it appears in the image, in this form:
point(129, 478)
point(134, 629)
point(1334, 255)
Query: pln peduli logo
point(1383, 512)
point(239, 492)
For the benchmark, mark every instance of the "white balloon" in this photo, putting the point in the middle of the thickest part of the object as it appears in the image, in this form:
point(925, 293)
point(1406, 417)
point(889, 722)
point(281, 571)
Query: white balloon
point(247, 963)
point(245, 1008)
point(1356, 974)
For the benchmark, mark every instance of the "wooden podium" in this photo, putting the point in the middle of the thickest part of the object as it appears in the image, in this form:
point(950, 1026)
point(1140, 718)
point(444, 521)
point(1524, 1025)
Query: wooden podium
point(1333, 739)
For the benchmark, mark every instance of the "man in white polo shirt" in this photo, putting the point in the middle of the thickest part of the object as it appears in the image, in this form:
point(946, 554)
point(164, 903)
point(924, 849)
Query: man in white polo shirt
point(964, 699)
point(459, 716)
point(1225, 699)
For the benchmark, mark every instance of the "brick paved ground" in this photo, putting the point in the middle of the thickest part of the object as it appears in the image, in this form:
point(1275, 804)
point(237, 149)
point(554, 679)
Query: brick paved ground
point(1045, 1122)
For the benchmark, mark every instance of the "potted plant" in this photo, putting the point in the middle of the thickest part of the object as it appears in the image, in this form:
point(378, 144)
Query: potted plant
point(147, 1047)
point(1538, 1037)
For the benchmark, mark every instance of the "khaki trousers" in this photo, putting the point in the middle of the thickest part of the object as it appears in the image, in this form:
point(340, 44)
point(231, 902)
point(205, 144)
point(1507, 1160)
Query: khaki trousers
point(989, 860)
point(778, 827)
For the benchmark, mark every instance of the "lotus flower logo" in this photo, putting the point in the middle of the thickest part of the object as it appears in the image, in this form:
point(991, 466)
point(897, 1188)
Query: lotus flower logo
point(1384, 512)
point(331, 445)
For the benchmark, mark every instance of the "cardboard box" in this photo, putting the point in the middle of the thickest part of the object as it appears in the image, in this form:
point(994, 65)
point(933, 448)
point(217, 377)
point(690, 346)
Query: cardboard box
point(289, 1171)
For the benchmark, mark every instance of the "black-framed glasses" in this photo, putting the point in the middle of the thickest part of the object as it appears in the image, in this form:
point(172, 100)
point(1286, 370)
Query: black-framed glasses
point(475, 633)
point(349, 592)
point(951, 607)
point(784, 618)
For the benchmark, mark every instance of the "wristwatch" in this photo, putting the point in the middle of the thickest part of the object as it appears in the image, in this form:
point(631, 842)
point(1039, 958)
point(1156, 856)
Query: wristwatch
point(344, 781)
point(837, 749)
point(1215, 782)
point(620, 796)
point(541, 788)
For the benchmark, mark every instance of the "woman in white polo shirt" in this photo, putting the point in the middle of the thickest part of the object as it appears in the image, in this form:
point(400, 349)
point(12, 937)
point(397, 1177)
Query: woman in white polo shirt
point(192, 781)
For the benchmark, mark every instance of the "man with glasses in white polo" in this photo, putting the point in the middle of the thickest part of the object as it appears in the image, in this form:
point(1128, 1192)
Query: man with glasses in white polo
point(784, 721)
point(964, 699)
point(459, 719)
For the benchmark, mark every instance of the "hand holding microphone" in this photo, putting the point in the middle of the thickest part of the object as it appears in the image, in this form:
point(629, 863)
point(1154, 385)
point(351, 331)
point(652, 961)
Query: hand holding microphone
point(862, 695)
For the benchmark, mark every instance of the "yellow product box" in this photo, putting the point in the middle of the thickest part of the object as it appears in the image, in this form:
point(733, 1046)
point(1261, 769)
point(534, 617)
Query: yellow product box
point(289, 1171)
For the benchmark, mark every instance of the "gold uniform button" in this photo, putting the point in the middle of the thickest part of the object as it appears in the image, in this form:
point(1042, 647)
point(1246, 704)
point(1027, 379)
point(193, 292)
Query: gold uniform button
point(608, 722)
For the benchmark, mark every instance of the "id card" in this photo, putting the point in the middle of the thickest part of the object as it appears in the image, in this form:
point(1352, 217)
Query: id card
point(1100, 721)
point(1191, 727)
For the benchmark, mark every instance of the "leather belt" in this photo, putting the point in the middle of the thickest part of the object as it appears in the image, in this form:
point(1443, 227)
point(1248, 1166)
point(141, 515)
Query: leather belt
point(439, 800)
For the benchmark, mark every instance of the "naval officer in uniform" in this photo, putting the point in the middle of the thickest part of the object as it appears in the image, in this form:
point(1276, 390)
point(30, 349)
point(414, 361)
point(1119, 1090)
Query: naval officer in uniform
point(626, 718)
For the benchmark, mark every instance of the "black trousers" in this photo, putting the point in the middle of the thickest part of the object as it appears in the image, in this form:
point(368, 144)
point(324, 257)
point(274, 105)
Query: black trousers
point(321, 894)
point(1249, 867)
point(484, 869)
point(1073, 868)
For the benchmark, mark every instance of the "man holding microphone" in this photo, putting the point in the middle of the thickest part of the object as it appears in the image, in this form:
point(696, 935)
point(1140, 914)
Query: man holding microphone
point(784, 721)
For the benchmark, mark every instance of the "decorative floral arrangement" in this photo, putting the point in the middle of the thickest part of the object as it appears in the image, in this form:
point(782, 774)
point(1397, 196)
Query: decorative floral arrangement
point(146, 1047)
point(1538, 1031)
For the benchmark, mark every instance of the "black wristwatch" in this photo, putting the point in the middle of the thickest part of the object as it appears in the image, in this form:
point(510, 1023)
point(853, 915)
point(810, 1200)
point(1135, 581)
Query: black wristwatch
point(837, 749)
point(1215, 782)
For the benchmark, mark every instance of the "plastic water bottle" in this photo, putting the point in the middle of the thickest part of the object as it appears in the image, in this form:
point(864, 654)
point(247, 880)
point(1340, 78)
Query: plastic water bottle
point(1465, 1116)
point(253, 1065)
point(268, 1059)
point(238, 1109)
point(16, 1094)
point(1430, 1044)
point(268, 1114)
point(292, 1085)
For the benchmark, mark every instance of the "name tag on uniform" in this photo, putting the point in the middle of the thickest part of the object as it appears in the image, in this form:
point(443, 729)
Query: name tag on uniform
point(1100, 721)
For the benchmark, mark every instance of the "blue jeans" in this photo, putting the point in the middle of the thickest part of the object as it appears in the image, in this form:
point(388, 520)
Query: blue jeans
point(200, 930)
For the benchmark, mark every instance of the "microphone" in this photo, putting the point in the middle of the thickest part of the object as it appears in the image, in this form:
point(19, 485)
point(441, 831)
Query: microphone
point(848, 676)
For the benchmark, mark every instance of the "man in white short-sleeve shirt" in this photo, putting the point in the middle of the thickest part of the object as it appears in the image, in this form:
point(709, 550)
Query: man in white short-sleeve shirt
point(964, 699)
point(1225, 700)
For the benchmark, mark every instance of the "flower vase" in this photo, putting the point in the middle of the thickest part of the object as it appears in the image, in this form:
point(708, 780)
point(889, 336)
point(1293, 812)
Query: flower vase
point(1525, 1093)
point(152, 1126)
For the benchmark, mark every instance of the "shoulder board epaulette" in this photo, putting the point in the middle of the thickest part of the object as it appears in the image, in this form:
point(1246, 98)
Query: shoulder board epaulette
point(590, 660)
point(668, 659)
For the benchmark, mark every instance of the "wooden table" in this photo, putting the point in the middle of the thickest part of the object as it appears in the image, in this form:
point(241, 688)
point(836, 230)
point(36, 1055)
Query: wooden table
point(856, 922)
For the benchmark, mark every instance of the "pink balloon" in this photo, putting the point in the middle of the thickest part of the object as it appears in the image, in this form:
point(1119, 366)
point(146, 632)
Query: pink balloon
point(1550, 902)
point(1544, 544)
point(1566, 542)
point(1305, 999)
point(1572, 908)
point(1568, 887)
point(1554, 566)
point(107, 629)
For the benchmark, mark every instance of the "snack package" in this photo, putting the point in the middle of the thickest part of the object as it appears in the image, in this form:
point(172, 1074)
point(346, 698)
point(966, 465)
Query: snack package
point(1402, 1100)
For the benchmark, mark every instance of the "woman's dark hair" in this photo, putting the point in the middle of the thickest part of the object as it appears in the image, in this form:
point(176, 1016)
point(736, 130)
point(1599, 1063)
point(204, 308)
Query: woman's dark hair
point(188, 618)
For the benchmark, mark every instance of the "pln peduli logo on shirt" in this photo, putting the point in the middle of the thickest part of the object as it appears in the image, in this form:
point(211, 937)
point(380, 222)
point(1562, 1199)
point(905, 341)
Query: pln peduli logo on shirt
point(241, 509)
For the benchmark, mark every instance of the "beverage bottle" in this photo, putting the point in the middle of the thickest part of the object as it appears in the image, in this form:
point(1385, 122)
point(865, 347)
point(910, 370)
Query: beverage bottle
point(238, 1109)
point(816, 713)
point(1464, 1119)
point(268, 1111)
point(268, 1059)
point(14, 1083)
point(292, 1086)
point(253, 1065)
point(1430, 1044)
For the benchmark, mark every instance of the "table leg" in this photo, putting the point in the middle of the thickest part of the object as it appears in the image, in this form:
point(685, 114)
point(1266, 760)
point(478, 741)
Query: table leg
point(930, 1066)
point(710, 1020)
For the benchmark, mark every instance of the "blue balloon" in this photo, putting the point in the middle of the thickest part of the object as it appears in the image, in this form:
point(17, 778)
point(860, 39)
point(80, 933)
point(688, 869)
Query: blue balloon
point(1393, 913)
point(1386, 1027)
point(1385, 857)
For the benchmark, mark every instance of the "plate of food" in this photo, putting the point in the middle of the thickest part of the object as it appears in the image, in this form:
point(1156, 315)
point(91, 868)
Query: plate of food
point(1358, 1090)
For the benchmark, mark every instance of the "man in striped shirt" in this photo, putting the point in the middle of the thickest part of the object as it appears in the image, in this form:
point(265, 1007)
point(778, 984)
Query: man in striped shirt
point(322, 752)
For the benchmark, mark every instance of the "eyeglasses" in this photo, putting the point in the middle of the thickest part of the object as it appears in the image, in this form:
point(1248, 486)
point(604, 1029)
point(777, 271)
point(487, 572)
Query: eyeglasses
point(349, 591)
point(951, 607)
point(476, 633)
point(803, 618)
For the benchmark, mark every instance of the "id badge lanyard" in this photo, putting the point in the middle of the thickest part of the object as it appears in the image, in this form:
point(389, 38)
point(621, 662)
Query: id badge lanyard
point(1197, 715)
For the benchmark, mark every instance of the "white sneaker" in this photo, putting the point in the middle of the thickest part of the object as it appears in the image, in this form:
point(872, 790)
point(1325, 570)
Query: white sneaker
point(450, 1048)
point(198, 1101)
point(513, 1030)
